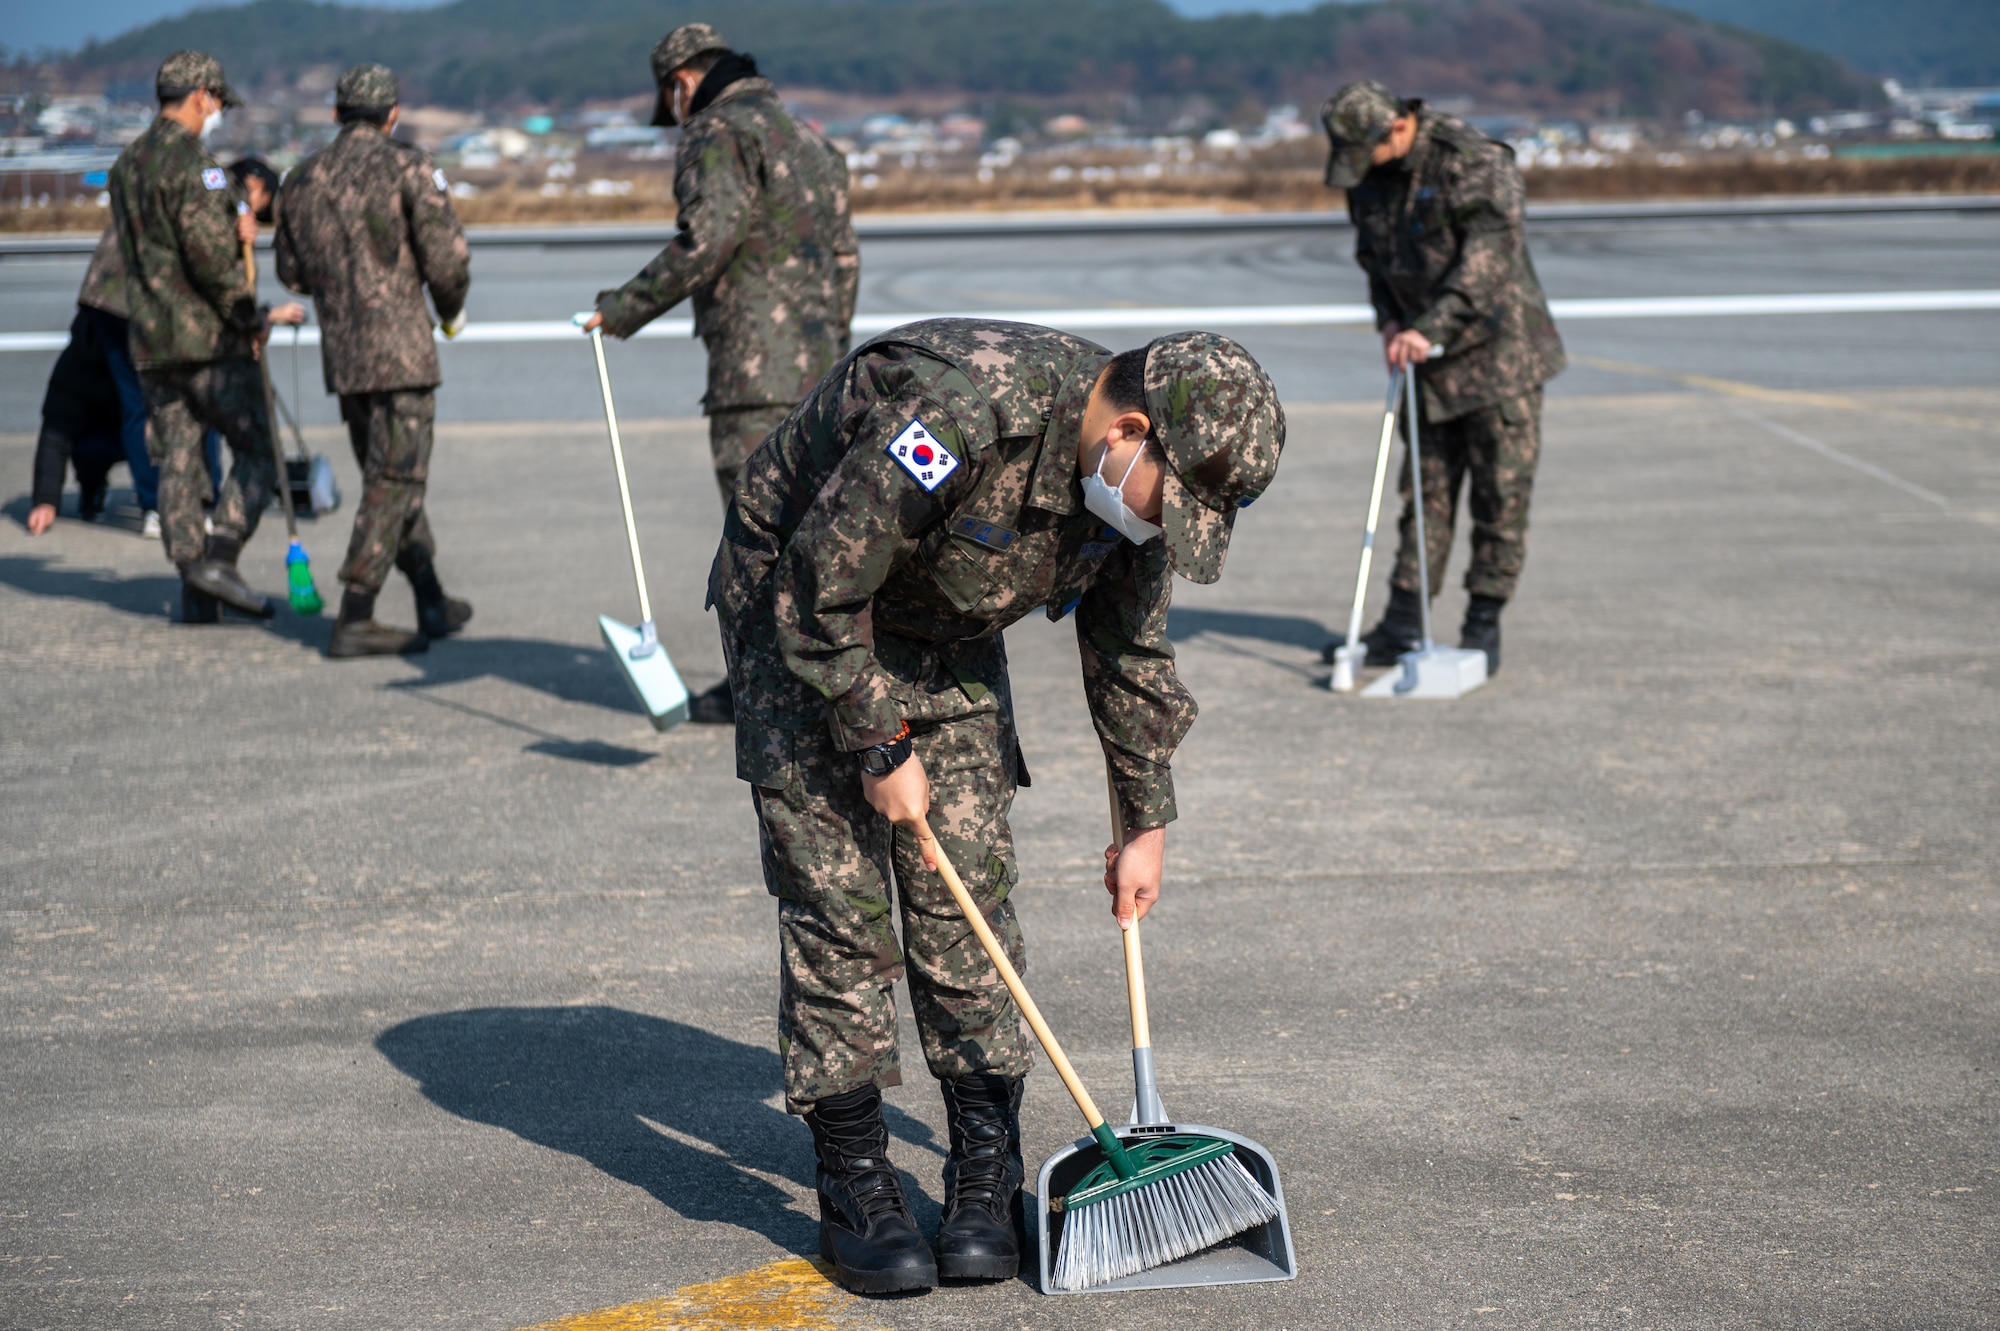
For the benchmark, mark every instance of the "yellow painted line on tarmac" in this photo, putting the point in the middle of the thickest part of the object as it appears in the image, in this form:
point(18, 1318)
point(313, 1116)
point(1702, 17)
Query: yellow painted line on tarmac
point(796, 1294)
point(1786, 396)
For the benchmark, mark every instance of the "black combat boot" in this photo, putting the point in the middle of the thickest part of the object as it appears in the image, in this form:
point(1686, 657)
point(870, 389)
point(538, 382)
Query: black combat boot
point(356, 633)
point(197, 606)
point(215, 574)
point(1401, 629)
point(979, 1237)
point(716, 707)
point(1482, 630)
point(437, 614)
point(865, 1226)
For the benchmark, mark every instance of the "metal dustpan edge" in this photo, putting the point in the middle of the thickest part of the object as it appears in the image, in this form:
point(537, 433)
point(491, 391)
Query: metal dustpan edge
point(653, 680)
point(1433, 672)
point(1263, 1253)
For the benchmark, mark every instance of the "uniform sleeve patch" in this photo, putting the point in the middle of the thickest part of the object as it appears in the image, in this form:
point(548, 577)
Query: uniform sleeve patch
point(918, 452)
point(989, 534)
point(437, 178)
point(214, 177)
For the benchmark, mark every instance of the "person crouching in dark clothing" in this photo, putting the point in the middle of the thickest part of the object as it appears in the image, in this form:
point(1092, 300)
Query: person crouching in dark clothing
point(81, 428)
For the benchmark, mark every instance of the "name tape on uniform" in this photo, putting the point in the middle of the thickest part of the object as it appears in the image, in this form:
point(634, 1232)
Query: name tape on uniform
point(215, 177)
point(918, 452)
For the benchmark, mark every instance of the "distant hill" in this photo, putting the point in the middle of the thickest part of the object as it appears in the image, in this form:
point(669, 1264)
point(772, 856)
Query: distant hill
point(1595, 55)
point(1936, 42)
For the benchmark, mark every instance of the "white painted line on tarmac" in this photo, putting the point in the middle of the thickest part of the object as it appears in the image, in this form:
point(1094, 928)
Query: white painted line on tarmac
point(1243, 316)
point(1844, 459)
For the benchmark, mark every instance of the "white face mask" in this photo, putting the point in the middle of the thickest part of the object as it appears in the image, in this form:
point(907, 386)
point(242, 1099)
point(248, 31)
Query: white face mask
point(209, 122)
point(1107, 501)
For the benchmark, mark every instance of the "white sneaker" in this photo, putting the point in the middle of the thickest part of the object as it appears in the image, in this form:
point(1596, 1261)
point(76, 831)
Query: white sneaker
point(151, 527)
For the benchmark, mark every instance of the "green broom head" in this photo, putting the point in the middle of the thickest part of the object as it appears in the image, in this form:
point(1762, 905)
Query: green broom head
point(299, 575)
point(1154, 1201)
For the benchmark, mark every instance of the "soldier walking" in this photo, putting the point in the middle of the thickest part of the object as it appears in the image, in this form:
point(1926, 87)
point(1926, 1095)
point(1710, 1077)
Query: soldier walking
point(195, 332)
point(765, 249)
point(1438, 223)
point(949, 478)
point(364, 226)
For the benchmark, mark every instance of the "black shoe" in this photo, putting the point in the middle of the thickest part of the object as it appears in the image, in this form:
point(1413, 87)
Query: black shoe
point(215, 574)
point(356, 633)
point(714, 708)
point(437, 614)
point(1482, 630)
point(979, 1237)
point(865, 1226)
point(197, 606)
point(1400, 630)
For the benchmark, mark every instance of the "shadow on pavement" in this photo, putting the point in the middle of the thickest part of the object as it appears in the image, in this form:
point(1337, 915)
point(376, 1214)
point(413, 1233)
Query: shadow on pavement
point(149, 597)
point(594, 1082)
point(561, 670)
point(1289, 630)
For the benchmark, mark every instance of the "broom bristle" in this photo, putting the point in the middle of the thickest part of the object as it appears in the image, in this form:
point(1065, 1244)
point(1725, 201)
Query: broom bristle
point(1162, 1222)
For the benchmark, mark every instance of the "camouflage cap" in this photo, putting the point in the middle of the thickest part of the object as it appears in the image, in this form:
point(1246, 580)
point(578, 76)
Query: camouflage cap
point(674, 50)
point(1216, 415)
point(367, 88)
point(184, 72)
point(1356, 119)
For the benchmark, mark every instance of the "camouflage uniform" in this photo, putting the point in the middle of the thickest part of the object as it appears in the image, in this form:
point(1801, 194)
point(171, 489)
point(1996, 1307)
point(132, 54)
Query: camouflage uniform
point(854, 600)
point(766, 251)
point(363, 226)
point(1439, 232)
point(194, 319)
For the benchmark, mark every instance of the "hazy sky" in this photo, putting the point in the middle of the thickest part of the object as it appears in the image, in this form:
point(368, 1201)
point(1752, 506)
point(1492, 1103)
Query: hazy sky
point(32, 24)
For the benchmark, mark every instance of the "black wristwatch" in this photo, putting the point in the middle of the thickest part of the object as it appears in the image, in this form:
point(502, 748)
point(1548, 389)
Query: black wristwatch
point(882, 759)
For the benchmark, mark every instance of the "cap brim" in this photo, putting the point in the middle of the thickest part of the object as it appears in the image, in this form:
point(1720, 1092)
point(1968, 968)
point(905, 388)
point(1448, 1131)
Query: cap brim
point(229, 96)
point(663, 109)
point(1197, 536)
point(1346, 165)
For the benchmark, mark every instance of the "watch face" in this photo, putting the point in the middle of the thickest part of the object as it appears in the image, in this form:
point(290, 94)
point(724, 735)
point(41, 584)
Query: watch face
point(875, 762)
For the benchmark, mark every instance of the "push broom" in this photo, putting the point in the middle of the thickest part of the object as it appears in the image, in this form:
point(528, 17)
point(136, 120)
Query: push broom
point(299, 587)
point(1152, 1200)
point(647, 669)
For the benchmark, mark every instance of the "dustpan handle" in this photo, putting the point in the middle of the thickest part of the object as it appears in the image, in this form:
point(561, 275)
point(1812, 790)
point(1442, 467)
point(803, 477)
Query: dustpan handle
point(1012, 978)
point(280, 480)
point(1374, 509)
point(1146, 1105)
point(618, 457)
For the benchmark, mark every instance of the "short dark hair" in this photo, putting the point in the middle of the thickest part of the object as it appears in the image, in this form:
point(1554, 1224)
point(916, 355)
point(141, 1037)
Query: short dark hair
point(1123, 381)
point(367, 115)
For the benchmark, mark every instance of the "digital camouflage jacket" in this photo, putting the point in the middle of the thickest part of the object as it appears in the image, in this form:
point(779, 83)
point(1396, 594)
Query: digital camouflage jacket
point(104, 281)
point(923, 498)
point(1439, 233)
point(766, 249)
point(174, 209)
point(364, 225)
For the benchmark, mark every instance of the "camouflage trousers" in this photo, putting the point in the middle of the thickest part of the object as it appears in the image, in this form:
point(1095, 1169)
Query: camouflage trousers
point(733, 435)
point(1497, 447)
point(391, 434)
point(841, 872)
point(183, 402)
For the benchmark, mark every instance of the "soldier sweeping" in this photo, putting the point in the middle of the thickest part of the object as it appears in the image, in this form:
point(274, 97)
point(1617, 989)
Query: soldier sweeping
point(1437, 210)
point(946, 480)
point(195, 332)
point(766, 250)
point(364, 226)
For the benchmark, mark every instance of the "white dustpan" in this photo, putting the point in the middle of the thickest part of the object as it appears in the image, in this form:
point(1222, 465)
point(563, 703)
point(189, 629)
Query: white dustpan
point(648, 670)
point(1431, 671)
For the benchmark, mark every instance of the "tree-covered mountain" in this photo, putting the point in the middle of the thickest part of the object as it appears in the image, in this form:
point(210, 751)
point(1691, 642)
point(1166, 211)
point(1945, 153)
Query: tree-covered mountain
point(1937, 42)
point(1595, 55)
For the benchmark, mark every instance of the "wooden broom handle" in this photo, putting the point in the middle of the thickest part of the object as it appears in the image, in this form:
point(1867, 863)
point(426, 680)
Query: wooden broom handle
point(977, 919)
point(1135, 963)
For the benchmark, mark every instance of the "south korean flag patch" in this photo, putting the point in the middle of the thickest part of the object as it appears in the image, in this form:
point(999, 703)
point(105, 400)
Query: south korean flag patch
point(918, 452)
point(215, 177)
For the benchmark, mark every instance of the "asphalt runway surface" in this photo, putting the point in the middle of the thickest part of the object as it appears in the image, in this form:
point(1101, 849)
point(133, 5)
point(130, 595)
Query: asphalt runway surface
point(1651, 985)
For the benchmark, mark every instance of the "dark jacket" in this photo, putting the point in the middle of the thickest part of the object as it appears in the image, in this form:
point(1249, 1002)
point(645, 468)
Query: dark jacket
point(81, 400)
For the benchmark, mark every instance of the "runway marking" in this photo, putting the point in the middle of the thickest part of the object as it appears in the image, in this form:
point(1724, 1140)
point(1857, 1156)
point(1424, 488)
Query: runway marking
point(1787, 396)
point(1845, 459)
point(791, 1295)
point(1243, 316)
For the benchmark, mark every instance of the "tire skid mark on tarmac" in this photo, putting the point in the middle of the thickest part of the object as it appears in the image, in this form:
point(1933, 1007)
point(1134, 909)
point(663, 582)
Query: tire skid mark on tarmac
point(795, 1294)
